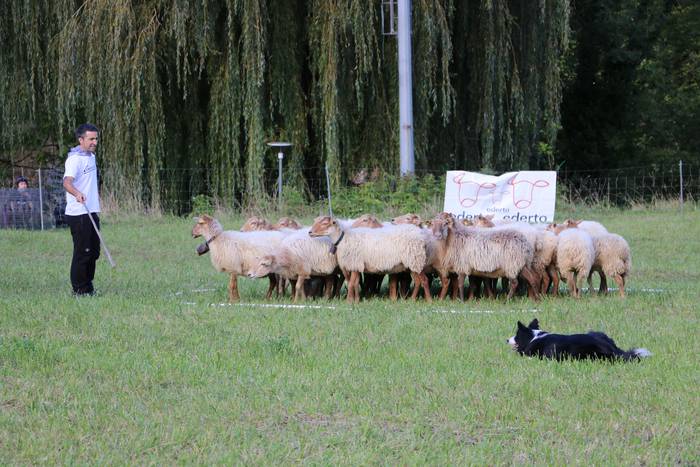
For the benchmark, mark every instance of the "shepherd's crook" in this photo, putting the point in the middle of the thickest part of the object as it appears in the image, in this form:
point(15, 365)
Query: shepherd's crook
point(104, 245)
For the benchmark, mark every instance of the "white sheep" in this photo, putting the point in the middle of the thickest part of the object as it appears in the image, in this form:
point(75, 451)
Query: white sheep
point(234, 252)
point(575, 256)
point(299, 257)
point(385, 250)
point(612, 259)
point(489, 253)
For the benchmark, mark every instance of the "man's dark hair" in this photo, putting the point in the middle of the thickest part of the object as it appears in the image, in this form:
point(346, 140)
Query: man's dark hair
point(84, 128)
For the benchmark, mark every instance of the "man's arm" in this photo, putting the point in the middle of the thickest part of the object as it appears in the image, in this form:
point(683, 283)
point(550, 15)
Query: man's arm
point(70, 188)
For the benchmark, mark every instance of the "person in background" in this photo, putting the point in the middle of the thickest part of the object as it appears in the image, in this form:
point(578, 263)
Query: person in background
point(21, 204)
point(82, 196)
point(22, 183)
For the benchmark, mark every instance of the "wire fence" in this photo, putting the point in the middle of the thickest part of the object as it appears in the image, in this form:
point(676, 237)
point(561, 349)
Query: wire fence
point(43, 204)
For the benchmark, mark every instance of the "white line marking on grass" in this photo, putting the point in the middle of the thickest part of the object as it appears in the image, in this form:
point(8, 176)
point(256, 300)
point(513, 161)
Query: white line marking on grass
point(629, 289)
point(467, 312)
point(272, 305)
point(195, 291)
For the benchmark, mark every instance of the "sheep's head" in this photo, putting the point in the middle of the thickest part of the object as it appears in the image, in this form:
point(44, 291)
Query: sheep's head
point(287, 223)
point(484, 221)
point(572, 224)
point(557, 228)
point(367, 220)
point(409, 218)
point(206, 226)
point(263, 268)
point(256, 223)
point(441, 226)
point(323, 226)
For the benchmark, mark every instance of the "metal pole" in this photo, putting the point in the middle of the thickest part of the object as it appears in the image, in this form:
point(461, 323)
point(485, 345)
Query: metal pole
point(280, 156)
point(41, 201)
point(405, 88)
point(680, 169)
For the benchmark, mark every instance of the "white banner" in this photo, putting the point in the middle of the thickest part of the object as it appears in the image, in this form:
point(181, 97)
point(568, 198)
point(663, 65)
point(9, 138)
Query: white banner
point(520, 196)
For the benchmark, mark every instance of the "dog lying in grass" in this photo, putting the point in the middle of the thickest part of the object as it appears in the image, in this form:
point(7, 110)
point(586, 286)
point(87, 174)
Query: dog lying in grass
point(533, 342)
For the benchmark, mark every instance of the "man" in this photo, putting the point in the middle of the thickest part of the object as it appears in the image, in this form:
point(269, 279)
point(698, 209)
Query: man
point(80, 183)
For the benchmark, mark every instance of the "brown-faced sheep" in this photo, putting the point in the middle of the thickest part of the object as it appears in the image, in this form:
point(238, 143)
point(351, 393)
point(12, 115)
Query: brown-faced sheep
point(299, 257)
point(235, 252)
point(386, 250)
point(485, 252)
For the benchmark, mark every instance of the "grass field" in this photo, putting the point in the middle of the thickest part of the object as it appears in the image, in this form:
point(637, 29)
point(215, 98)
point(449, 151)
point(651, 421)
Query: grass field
point(159, 369)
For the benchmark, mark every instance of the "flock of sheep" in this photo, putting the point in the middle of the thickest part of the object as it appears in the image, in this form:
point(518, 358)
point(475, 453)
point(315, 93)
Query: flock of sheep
point(317, 260)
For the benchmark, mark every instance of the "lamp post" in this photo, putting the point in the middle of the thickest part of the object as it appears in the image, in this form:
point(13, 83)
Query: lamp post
point(280, 145)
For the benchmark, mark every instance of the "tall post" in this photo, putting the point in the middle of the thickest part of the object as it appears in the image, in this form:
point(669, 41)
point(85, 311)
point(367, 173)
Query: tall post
point(280, 156)
point(405, 88)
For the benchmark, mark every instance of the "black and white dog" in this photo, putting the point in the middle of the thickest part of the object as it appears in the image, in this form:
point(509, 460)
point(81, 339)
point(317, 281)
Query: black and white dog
point(534, 342)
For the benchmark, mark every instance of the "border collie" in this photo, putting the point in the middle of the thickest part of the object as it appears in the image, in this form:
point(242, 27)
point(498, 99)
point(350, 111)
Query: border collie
point(534, 342)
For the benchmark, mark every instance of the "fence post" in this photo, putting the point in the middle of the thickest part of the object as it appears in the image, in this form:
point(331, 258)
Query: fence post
point(680, 169)
point(41, 201)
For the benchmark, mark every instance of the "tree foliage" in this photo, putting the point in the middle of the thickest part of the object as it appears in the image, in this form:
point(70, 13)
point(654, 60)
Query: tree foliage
point(205, 84)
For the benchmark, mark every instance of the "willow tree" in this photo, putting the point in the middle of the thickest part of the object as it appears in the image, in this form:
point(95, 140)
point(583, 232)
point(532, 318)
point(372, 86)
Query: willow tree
point(187, 92)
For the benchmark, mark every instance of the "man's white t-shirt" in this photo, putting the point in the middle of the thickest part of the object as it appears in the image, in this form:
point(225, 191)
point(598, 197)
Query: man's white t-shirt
point(83, 168)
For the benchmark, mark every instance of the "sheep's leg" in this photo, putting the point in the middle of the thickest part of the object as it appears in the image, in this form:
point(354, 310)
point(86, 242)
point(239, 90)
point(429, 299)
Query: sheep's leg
point(620, 281)
point(454, 281)
point(512, 286)
point(533, 280)
point(351, 285)
point(571, 283)
point(474, 286)
point(329, 282)
point(426, 286)
point(460, 286)
point(491, 287)
point(356, 287)
point(444, 284)
point(603, 282)
point(554, 274)
point(301, 293)
point(393, 286)
point(272, 286)
point(545, 282)
point(233, 289)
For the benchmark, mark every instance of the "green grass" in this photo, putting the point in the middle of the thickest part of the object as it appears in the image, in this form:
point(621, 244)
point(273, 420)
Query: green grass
point(158, 369)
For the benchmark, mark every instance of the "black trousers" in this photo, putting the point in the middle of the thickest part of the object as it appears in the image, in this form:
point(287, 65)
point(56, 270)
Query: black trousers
point(86, 250)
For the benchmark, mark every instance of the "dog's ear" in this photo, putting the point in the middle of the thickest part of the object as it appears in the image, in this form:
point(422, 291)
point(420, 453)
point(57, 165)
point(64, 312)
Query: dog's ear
point(534, 324)
point(521, 325)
